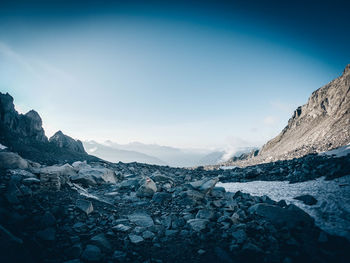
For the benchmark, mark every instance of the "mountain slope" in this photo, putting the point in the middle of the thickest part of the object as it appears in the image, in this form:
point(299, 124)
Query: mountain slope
point(322, 124)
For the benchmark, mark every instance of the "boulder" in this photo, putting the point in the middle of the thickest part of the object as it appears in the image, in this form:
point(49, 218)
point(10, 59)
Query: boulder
point(141, 219)
point(84, 180)
point(198, 224)
point(307, 199)
point(129, 184)
point(101, 241)
point(85, 206)
point(205, 185)
point(92, 253)
point(147, 188)
point(290, 216)
point(135, 239)
point(50, 182)
point(9, 160)
point(161, 197)
point(99, 175)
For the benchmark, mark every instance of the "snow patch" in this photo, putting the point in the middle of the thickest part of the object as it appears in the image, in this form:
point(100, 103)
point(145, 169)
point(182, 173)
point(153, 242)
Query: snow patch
point(332, 211)
point(339, 152)
point(2, 147)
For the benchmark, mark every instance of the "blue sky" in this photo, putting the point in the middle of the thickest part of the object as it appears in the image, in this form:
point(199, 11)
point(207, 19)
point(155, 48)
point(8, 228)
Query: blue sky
point(186, 74)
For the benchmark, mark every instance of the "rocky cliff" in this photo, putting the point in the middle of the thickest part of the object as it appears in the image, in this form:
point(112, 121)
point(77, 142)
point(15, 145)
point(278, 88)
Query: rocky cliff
point(64, 141)
point(322, 124)
point(24, 134)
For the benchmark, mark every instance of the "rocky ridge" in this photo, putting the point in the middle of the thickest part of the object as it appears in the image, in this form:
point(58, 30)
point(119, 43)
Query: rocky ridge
point(322, 124)
point(24, 134)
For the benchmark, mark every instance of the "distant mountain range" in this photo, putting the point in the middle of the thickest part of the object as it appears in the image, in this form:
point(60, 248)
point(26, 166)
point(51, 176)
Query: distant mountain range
point(152, 154)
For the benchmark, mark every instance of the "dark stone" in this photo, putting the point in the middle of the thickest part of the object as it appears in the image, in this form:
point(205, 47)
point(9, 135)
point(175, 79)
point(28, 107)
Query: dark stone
point(92, 253)
point(307, 199)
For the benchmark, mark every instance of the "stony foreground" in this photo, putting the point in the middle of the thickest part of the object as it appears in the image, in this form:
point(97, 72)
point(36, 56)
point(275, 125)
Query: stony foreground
point(106, 212)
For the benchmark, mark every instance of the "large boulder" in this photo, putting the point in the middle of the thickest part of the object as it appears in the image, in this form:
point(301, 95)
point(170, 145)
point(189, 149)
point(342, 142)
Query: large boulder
point(141, 219)
point(63, 172)
point(307, 199)
point(88, 176)
point(100, 175)
point(147, 188)
point(205, 185)
point(291, 216)
point(92, 253)
point(9, 160)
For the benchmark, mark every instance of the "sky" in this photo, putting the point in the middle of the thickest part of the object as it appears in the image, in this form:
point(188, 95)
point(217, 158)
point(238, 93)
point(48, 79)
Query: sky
point(193, 74)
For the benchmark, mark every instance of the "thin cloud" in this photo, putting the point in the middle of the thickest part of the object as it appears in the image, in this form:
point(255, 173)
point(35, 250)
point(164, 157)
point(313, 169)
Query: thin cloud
point(39, 68)
point(270, 120)
point(282, 106)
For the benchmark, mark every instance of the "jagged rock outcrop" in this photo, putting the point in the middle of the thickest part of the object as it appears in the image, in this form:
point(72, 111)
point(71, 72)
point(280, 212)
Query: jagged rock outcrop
point(64, 141)
point(27, 125)
point(322, 124)
point(24, 134)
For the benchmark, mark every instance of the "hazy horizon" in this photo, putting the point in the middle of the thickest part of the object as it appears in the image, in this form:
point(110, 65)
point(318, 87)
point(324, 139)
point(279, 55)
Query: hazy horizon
point(209, 75)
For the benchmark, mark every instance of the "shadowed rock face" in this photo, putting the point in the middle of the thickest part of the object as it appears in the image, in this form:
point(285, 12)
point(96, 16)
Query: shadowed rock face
point(28, 125)
point(24, 134)
point(322, 124)
point(64, 141)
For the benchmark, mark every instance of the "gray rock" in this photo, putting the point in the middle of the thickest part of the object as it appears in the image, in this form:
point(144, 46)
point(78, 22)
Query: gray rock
point(92, 253)
point(135, 239)
point(129, 184)
point(9, 160)
point(98, 174)
point(119, 256)
point(32, 180)
point(198, 224)
point(290, 216)
point(307, 199)
point(147, 188)
point(121, 228)
point(239, 236)
point(101, 241)
point(148, 234)
point(205, 214)
point(141, 219)
point(161, 197)
point(83, 179)
point(85, 206)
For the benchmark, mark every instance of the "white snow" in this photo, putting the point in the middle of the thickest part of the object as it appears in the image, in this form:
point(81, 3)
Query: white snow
point(339, 152)
point(2, 147)
point(332, 211)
